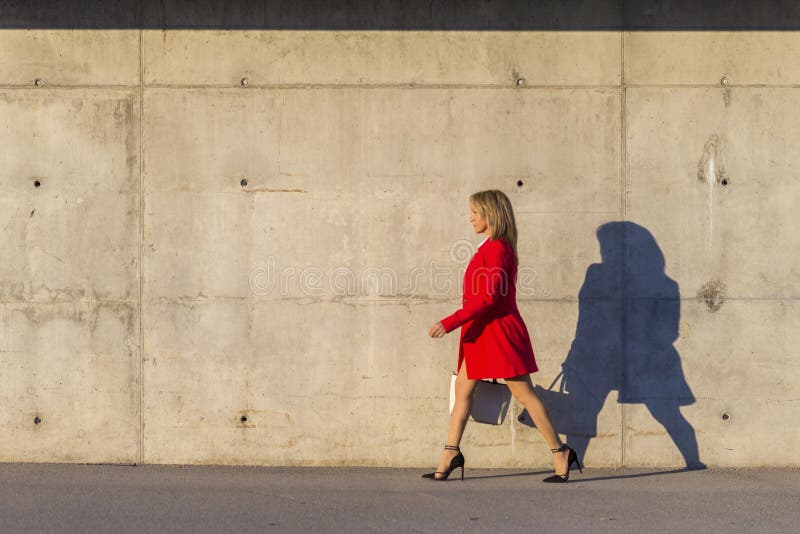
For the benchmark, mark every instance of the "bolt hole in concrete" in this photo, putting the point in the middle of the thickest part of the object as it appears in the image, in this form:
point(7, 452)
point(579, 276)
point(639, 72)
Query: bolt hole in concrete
point(243, 419)
point(37, 420)
point(245, 82)
point(520, 183)
point(724, 182)
point(36, 183)
point(726, 417)
point(520, 82)
point(243, 182)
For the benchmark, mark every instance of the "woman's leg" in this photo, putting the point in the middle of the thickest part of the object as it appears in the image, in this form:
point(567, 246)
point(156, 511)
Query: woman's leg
point(522, 390)
point(458, 419)
point(668, 413)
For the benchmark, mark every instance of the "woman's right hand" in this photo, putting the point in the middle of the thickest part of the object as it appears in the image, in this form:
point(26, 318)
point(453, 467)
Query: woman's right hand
point(437, 330)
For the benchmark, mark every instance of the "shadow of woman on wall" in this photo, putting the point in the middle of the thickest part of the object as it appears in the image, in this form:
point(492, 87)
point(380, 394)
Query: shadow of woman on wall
point(648, 371)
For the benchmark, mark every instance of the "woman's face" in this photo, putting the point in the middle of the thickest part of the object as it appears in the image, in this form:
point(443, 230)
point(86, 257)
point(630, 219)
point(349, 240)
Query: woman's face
point(478, 224)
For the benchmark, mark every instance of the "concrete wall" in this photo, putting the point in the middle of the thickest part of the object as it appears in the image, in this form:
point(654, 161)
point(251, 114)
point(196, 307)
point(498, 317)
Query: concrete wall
point(150, 300)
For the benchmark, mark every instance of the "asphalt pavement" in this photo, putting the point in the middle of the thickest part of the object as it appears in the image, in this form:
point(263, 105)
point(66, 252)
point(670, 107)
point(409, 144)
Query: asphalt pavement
point(105, 498)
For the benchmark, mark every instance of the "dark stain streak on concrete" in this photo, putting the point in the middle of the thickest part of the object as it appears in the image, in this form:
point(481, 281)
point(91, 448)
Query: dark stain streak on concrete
point(86, 315)
point(124, 121)
point(712, 153)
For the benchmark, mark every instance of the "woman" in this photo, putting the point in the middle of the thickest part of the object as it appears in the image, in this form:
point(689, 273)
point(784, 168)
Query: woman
point(494, 340)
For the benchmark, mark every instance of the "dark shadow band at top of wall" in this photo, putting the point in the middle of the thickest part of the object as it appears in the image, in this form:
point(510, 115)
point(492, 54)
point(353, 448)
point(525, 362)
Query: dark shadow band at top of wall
point(421, 15)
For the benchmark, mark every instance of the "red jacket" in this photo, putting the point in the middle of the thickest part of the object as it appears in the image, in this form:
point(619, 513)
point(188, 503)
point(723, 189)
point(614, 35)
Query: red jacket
point(494, 340)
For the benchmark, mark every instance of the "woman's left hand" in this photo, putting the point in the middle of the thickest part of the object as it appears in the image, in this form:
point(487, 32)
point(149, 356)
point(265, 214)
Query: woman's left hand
point(437, 330)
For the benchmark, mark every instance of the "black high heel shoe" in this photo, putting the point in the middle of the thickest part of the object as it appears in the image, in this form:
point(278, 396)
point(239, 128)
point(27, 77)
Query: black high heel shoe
point(457, 461)
point(572, 458)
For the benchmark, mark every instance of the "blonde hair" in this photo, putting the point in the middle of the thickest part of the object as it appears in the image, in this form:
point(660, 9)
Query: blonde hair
point(495, 208)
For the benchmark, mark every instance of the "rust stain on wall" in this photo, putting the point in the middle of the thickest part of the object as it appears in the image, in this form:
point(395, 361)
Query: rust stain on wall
point(713, 294)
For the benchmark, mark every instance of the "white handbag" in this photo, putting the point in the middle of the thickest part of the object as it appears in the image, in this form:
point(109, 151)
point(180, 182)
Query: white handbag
point(490, 401)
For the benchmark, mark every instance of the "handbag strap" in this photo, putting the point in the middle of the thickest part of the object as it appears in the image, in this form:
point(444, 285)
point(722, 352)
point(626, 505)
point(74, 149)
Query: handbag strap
point(561, 386)
point(574, 377)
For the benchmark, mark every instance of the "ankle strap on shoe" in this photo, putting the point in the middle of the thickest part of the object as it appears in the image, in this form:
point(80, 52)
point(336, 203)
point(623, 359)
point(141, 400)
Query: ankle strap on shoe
point(562, 448)
point(452, 448)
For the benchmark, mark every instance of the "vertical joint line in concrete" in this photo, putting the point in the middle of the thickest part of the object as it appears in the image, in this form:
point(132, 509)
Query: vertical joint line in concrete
point(140, 443)
point(624, 264)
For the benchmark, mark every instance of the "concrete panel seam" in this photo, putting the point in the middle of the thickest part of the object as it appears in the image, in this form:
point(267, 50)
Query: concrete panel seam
point(614, 213)
point(349, 300)
point(352, 300)
point(52, 87)
point(140, 444)
point(624, 217)
point(70, 301)
point(711, 86)
point(251, 87)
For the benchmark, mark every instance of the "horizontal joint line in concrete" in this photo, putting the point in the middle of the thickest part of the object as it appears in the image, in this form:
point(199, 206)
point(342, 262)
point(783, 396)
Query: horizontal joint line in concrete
point(242, 191)
point(49, 87)
point(256, 300)
point(710, 86)
point(387, 299)
point(689, 298)
point(456, 300)
point(382, 86)
point(72, 301)
point(556, 212)
point(272, 87)
point(346, 300)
